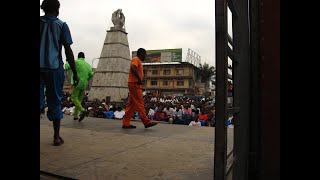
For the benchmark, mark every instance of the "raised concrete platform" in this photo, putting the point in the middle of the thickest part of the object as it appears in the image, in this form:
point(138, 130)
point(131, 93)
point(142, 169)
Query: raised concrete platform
point(99, 148)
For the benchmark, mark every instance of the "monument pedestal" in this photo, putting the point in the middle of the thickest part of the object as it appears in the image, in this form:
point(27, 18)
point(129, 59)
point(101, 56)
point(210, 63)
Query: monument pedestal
point(111, 76)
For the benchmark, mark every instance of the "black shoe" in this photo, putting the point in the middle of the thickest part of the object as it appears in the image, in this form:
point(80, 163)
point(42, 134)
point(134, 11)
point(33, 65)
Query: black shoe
point(82, 115)
point(75, 118)
point(150, 124)
point(129, 127)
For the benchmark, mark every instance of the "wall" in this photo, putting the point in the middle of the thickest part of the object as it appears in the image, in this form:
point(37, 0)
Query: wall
point(188, 77)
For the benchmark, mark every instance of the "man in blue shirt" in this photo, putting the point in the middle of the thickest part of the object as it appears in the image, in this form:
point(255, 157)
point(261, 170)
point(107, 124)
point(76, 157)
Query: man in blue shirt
point(54, 34)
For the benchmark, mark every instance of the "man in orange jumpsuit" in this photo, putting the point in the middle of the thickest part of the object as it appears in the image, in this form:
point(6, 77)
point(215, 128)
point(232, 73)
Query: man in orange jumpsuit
point(135, 101)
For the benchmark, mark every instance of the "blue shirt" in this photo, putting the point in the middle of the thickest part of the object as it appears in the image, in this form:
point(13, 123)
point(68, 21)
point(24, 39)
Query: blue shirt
point(62, 36)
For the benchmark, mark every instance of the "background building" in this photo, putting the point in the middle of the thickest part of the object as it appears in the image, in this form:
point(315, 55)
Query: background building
point(162, 55)
point(174, 78)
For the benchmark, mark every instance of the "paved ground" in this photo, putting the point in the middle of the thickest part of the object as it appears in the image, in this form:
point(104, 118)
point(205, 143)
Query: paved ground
point(100, 149)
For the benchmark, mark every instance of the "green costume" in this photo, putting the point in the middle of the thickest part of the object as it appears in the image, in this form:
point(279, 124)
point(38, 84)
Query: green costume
point(85, 73)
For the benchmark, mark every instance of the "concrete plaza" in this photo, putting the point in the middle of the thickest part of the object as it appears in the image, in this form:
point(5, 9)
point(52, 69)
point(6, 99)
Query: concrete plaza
point(98, 148)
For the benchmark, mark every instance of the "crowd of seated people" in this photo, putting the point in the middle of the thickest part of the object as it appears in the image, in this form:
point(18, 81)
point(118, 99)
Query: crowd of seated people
point(173, 110)
point(181, 110)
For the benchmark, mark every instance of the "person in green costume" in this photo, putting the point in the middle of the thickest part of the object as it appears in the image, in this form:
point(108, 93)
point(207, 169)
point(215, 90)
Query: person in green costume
point(85, 73)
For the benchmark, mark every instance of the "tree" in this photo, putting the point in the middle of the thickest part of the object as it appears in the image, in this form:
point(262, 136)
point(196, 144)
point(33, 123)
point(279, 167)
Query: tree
point(206, 73)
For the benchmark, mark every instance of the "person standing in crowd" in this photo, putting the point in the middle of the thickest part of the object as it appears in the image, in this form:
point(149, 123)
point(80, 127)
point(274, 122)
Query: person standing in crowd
point(54, 34)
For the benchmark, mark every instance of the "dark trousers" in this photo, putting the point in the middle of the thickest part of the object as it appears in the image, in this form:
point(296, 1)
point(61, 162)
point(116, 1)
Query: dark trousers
point(53, 82)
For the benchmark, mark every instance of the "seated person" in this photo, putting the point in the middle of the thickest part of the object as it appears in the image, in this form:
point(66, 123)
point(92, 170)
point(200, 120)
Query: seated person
point(119, 113)
point(68, 110)
point(211, 117)
point(177, 116)
point(100, 112)
point(113, 107)
point(135, 115)
point(150, 113)
point(187, 111)
point(202, 117)
point(195, 121)
point(162, 116)
point(91, 112)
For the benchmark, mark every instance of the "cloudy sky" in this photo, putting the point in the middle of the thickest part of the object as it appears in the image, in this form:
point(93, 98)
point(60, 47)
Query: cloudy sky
point(151, 24)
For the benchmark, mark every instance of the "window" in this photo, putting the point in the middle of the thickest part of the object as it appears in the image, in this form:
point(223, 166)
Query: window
point(180, 83)
point(179, 71)
point(154, 83)
point(165, 83)
point(154, 72)
point(166, 72)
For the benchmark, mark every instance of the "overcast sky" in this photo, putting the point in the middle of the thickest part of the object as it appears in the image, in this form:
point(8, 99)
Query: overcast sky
point(150, 24)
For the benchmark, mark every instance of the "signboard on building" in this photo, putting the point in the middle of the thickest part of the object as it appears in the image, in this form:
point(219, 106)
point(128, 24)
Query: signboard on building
point(162, 55)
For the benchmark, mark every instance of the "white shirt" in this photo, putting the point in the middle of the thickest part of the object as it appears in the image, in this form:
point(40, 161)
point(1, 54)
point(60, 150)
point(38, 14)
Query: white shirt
point(193, 123)
point(119, 114)
point(68, 111)
point(171, 111)
point(151, 112)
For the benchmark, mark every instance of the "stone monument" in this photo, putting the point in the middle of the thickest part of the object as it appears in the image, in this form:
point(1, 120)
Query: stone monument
point(111, 75)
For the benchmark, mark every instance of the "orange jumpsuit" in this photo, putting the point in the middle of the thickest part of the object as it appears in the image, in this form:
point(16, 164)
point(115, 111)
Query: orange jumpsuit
point(135, 100)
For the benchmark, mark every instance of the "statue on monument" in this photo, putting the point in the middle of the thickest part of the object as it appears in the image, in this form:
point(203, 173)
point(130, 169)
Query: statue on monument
point(111, 79)
point(118, 19)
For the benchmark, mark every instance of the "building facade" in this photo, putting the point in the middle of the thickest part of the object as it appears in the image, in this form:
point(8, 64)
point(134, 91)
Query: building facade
point(172, 78)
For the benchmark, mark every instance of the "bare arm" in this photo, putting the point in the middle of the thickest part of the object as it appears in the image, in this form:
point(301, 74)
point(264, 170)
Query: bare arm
point(70, 60)
point(135, 73)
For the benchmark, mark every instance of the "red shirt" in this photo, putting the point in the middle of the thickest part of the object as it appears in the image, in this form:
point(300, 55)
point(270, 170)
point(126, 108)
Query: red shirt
point(203, 117)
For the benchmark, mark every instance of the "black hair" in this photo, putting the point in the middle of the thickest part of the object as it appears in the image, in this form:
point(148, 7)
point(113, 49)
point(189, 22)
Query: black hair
point(141, 51)
point(81, 55)
point(50, 6)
